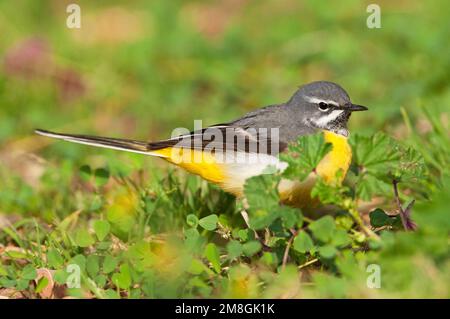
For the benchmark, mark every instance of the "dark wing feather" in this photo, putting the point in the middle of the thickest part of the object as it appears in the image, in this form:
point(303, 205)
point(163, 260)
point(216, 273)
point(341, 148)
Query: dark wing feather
point(224, 138)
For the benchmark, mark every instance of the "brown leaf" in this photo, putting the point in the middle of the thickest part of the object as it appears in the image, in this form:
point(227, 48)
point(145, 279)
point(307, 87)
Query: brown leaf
point(10, 293)
point(47, 292)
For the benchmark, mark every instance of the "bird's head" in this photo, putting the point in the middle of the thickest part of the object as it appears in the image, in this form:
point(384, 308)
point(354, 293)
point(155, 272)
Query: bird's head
point(324, 105)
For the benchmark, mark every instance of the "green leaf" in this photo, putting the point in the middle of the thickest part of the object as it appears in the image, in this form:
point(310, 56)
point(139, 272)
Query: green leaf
point(262, 218)
point(5, 282)
point(329, 194)
point(92, 265)
point(109, 264)
point(3, 270)
point(16, 254)
point(79, 260)
point(344, 221)
point(261, 192)
point(121, 213)
point(83, 238)
point(379, 160)
point(278, 230)
point(101, 176)
point(323, 228)
point(112, 294)
point(54, 259)
point(22, 284)
point(243, 234)
point(197, 267)
point(60, 276)
point(100, 280)
point(193, 239)
point(85, 173)
point(28, 272)
point(42, 283)
point(224, 220)
point(122, 279)
point(234, 249)
point(370, 186)
point(341, 238)
point(327, 251)
point(304, 155)
point(212, 254)
point(290, 216)
point(262, 196)
point(270, 259)
point(103, 245)
point(135, 293)
point(375, 152)
point(347, 264)
point(96, 203)
point(303, 242)
point(192, 220)
point(251, 248)
point(411, 167)
point(379, 218)
point(101, 228)
point(209, 222)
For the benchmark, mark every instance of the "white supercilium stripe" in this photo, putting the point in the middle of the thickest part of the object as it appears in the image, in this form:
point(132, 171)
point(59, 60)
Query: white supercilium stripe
point(316, 100)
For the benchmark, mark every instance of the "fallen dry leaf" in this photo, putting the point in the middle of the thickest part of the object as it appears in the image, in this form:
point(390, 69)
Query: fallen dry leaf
point(47, 292)
point(10, 293)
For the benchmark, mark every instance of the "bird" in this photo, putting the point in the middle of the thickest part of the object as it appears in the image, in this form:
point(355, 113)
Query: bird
point(230, 153)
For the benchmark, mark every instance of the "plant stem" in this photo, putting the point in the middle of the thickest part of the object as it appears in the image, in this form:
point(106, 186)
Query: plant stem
point(310, 262)
point(407, 223)
point(399, 204)
point(286, 252)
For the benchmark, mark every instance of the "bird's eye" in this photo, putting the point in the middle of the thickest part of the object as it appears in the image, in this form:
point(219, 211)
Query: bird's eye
point(323, 106)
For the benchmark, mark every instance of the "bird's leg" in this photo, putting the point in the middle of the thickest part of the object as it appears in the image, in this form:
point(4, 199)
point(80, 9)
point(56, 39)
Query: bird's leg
point(263, 238)
point(405, 215)
point(288, 247)
point(244, 215)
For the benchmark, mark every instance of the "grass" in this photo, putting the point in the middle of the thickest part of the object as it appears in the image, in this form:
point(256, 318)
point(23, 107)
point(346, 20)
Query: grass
point(128, 226)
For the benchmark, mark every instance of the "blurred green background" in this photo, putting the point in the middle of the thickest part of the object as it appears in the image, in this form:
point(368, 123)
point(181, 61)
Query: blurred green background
point(142, 68)
point(139, 69)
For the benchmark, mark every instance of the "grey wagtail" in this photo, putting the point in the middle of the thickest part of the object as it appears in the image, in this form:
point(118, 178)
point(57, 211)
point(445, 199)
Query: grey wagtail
point(315, 107)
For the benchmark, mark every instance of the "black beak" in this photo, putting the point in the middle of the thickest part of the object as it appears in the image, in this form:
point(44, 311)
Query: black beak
point(356, 107)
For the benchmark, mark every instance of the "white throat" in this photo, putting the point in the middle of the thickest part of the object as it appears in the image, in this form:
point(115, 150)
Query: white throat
point(325, 120)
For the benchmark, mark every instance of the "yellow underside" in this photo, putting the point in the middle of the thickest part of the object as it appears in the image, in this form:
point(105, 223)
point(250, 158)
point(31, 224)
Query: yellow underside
point(332, 168)
point(338, 159)
point(195, 162)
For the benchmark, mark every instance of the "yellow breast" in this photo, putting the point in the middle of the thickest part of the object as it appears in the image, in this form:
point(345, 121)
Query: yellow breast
point(332, 168)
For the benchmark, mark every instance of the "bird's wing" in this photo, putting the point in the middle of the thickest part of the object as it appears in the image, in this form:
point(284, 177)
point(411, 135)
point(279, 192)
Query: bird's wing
point(223, 138)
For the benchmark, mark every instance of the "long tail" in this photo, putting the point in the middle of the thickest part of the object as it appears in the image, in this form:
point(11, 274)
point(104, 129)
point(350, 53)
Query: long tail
point(106, 142)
